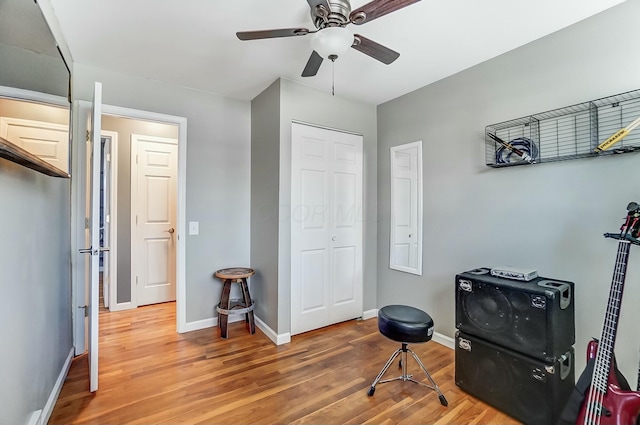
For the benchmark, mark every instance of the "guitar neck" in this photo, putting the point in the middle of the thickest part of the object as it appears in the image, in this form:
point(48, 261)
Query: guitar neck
point(638, 381)
point(608, 338)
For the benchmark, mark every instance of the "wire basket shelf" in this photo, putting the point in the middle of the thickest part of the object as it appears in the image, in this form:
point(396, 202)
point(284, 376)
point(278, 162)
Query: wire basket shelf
point(566, 133)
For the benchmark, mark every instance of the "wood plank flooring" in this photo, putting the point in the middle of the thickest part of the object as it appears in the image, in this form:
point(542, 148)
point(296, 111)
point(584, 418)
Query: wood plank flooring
point(149, 374)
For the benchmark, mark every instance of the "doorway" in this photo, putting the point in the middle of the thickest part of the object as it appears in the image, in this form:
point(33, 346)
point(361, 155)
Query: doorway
point(126, 216)
point(125, 122)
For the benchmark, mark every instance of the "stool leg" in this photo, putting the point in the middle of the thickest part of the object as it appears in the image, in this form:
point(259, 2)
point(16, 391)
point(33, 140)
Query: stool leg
point(246, 296)
point(223, 319)
point(443, 400)
point(382, 372)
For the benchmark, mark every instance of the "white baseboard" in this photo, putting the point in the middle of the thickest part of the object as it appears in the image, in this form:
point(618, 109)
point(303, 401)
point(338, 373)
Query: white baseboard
point(121, 306)
point(441, 339)
point(370, 314)
point(34, 419)
point(260, 324)
point(210, 323)
point(55, 392)
point(271, 334)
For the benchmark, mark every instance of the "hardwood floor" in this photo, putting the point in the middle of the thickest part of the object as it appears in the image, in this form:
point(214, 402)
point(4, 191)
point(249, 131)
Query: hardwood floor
point(149, 374)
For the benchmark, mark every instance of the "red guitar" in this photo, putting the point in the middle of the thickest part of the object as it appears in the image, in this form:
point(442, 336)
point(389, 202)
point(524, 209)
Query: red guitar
point(606, 403)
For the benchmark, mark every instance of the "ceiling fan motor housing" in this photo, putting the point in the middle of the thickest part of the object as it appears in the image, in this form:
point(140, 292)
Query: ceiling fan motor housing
point(337, 16)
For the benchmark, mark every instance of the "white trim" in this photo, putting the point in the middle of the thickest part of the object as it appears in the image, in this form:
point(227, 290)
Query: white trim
point(324, 127)
point(113, 219)
point(442, 339)
point(35, 417)
point(21, 94)
point(260, 324)
point(121, 306)
point(271, 334)
point(200, 324)
point(55, 392)
point(370, 314)
point(209, 323)
point(419, 207)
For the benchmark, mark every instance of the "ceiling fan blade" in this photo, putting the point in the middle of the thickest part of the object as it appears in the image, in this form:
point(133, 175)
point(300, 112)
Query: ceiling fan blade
point(375, 50)
point(284, 32)
point(376, 9)
point(313, 65)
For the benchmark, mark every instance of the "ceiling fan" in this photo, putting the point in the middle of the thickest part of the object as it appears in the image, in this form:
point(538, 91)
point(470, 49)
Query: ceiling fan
point(331, 38)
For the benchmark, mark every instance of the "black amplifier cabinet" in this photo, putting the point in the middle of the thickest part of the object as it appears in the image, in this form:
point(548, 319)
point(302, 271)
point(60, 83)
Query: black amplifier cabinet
point(525, 388)
point(533, 317)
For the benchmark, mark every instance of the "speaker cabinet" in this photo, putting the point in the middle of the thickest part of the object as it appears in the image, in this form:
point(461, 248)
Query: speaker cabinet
point(525, 388)
point(533, 317)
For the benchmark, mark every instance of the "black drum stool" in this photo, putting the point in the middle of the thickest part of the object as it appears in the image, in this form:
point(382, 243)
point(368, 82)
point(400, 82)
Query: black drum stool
point(406, 325)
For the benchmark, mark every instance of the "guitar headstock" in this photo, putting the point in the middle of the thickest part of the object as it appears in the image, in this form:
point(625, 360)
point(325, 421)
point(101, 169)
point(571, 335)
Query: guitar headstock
point(630, 229)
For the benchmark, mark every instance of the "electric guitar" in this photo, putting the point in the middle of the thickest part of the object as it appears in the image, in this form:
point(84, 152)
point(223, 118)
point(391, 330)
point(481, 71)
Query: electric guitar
point(606, 402)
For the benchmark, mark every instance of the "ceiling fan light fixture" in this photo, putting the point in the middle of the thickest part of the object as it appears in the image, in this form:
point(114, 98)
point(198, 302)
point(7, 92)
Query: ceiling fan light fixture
point(332, 41)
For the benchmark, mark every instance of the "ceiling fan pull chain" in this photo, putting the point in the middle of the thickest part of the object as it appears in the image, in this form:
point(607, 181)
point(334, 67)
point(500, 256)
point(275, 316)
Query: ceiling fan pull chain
point(333, 58)
point(333, 78)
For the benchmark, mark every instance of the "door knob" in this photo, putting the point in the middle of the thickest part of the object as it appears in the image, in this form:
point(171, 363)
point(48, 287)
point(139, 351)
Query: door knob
point(170, 230)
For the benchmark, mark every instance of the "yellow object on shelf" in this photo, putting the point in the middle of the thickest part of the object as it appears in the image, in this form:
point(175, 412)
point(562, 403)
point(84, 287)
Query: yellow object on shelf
point(618, 135)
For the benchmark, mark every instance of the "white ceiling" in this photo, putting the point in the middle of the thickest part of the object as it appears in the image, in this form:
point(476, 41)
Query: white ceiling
point(192, 43)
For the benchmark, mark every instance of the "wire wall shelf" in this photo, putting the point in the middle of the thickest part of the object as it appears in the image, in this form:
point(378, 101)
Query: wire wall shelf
point(566, 133)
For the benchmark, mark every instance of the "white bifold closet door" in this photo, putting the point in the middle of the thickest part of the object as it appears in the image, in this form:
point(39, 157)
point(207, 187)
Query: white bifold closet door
point(326, 227)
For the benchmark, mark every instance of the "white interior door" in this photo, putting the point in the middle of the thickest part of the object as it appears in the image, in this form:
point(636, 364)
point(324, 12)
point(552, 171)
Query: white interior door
point(94, 231)
point(153, 202)
point(326, 227)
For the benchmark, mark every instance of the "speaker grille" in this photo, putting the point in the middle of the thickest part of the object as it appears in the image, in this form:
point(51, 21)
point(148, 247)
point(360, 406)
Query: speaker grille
point(528, 389)
point(534, 317)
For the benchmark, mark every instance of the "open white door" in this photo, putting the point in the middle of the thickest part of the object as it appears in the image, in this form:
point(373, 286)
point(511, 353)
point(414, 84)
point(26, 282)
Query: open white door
point(94, 230)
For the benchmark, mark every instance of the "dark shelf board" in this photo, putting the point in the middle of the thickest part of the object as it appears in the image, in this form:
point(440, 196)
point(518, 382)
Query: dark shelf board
point(20, 156)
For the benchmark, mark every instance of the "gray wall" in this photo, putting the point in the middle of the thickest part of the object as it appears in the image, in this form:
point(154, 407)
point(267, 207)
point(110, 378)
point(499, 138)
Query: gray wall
point(35, 306)
point(35, 283)
point(32, 71)
point(265, 166)
point(125, 128)
point(218, 173)
point(547, 216)
point(301, 103)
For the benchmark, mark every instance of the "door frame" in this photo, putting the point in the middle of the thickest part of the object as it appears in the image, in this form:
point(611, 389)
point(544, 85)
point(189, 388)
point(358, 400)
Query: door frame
point(113, 219)
point(181, 217)
point(81, 109)
point(135, 138)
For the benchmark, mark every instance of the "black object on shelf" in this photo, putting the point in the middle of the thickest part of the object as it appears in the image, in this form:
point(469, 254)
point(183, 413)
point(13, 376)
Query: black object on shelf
point(566, 133)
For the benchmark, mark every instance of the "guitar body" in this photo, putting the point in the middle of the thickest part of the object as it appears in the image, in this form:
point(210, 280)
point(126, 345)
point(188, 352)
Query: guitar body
point(623, 405)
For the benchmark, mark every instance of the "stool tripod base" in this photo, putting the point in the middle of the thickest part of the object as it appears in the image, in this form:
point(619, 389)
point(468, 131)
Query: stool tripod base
point(402, 352)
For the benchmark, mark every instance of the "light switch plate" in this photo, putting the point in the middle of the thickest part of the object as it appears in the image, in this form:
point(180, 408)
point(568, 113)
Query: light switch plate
point(194, 227)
